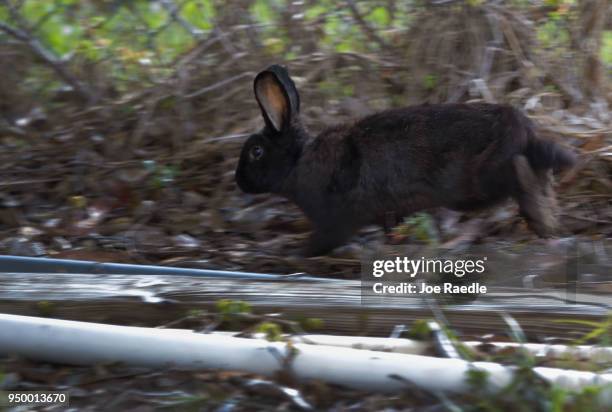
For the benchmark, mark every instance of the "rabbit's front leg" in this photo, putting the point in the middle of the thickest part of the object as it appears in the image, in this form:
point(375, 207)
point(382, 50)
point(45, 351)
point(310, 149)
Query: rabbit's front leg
point(325, 239)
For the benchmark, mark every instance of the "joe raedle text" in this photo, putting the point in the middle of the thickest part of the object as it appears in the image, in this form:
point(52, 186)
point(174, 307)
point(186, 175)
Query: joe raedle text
point(405, 288)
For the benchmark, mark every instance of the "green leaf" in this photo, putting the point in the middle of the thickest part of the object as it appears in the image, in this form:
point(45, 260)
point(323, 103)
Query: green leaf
point(430, 81)
point(380, 16)
point(313, 12)
point(606, 49)
point(421, 227)
point(558, 397)
point(4, 13)
point(262, 11)
point(153, 14)
point(33, 10)
point(477, 378)
point(331, 26)
point(273, 331)
point(343, 47)
point(311, 324)
point(199, 13)
point(174, 41)
point(233, 307)
point(420, 330)
point(274, 45)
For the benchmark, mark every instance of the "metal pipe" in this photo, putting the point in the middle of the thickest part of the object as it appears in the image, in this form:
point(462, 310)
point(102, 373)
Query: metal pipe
point(21, 264)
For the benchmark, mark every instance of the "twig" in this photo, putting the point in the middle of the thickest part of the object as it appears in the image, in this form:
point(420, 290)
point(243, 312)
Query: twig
point(228, 137)
point(174, 11)
point(365, 27)
point(48, 57)
point(218, 85)
point(587, 219)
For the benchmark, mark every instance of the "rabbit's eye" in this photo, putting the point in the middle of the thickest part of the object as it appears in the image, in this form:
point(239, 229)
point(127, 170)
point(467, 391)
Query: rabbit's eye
point(256, 152)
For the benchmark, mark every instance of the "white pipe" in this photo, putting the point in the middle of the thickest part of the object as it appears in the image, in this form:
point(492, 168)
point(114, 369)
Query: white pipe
point(397, 345)
point(415, 347)
point(401, 345)
point(85, 343)
point(594, 353)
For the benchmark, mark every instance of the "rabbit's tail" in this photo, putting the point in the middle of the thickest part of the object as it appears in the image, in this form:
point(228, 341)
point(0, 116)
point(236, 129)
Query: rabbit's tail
point(545, 154)
point(541, 154)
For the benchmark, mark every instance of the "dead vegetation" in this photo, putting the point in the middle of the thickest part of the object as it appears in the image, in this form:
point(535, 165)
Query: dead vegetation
point(145, 174)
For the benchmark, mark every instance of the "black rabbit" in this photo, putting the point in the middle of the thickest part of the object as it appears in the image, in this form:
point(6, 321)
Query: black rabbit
point(396, 162)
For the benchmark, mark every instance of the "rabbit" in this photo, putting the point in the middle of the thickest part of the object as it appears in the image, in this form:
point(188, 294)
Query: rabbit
point(397, 162)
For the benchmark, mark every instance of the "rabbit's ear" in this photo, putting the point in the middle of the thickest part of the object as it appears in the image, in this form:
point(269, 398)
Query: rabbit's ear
point(277, 97)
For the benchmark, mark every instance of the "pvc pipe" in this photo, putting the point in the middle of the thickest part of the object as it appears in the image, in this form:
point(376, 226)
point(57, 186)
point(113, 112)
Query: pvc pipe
point(415, 347)
point(594, 353)
point(408, 346)
point(85, 343)
point(397, 345)
point(21, 264)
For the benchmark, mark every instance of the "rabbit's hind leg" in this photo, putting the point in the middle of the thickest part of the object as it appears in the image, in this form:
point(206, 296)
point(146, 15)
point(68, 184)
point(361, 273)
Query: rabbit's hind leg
point(536, 197)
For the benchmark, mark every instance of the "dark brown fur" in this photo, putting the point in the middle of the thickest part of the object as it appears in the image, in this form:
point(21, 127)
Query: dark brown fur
point(459, 156)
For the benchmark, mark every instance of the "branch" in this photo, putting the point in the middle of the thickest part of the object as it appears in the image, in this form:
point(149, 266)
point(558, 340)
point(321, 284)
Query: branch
point(365, 27)
point(218, 85)
point(174, 12)
point(49, 58)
